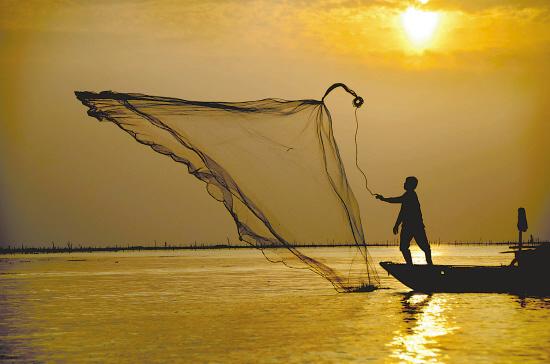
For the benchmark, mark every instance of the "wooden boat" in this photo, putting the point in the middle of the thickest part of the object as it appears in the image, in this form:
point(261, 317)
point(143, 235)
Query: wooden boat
point(531, 275)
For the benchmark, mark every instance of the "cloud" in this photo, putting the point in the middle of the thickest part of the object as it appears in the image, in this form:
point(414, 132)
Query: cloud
point(475, 6)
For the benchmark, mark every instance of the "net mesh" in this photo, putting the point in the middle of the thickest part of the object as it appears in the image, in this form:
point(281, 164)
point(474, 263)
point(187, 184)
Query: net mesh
point(273, 163)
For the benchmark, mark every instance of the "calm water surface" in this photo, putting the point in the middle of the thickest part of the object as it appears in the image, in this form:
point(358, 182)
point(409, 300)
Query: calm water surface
point(232, 306)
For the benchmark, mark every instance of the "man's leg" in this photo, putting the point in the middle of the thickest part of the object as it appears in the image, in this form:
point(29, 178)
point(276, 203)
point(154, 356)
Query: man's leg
point(404, 244)
point(422, 241)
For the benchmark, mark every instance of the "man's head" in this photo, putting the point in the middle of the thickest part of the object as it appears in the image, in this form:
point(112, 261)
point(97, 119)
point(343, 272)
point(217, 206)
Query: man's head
point(410, 183)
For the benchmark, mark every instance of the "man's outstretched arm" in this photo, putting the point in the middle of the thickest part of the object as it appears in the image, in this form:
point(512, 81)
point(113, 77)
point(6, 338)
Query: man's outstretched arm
point(398, 199)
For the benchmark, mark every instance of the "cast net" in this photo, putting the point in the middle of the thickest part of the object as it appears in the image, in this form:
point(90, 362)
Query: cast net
point(273, 163)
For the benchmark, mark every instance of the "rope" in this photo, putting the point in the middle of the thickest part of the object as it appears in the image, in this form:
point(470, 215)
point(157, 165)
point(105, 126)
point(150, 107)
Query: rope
point(357, 103)
point(357, 154)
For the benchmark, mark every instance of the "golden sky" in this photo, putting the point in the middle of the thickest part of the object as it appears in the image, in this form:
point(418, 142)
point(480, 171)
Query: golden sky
point(462, 105)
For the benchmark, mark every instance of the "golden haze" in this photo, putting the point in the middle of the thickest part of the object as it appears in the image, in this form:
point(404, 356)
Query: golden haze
point(467, 112)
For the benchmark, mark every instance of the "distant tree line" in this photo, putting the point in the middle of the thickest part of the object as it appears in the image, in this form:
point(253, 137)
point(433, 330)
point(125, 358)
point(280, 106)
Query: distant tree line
point(70, 248)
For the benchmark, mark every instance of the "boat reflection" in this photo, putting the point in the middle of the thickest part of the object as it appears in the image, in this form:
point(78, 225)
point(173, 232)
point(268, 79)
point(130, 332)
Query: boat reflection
point(425, 324)
point(535, 303)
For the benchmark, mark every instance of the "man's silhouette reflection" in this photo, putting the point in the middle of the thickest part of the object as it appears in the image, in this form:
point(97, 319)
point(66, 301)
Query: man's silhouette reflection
point(411, 218)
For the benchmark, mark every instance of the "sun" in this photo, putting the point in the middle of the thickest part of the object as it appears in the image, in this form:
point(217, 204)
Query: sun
point(419, 25)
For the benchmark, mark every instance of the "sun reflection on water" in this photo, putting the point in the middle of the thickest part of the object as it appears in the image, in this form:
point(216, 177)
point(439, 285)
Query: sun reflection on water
point(419, 343)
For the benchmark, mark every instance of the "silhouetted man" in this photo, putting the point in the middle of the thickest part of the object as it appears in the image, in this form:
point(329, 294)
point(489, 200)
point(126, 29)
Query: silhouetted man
point(411, 218)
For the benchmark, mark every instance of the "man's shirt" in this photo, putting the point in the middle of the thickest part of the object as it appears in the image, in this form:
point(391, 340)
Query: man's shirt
point(410, 211)
point(410, 214)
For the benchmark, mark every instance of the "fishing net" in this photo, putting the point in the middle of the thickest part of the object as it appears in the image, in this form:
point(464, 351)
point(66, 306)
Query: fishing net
point(273, 163)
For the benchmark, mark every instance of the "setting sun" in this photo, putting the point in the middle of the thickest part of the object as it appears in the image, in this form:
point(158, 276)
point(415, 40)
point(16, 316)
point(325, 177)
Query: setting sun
point(419, 25)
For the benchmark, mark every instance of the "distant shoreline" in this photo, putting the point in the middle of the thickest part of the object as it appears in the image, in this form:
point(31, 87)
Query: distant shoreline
point(69, 248)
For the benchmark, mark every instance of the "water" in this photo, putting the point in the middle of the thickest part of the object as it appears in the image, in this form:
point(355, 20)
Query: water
point(232, 306)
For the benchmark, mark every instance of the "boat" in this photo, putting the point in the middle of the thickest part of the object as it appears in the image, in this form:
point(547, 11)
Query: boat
point(528, 274)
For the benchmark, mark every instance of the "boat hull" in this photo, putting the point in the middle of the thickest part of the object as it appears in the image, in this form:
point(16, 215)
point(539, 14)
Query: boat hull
point(481, 279)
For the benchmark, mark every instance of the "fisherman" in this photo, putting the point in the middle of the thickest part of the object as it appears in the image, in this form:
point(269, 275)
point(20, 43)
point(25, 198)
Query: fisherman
point(410, 216)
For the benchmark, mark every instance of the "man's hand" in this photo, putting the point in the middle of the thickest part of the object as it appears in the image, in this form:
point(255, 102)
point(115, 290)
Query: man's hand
point(379, 197)
point(395, 229)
